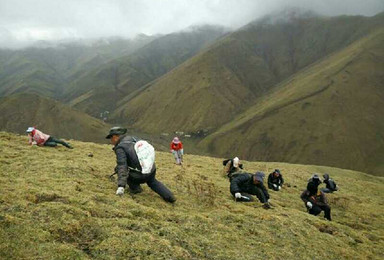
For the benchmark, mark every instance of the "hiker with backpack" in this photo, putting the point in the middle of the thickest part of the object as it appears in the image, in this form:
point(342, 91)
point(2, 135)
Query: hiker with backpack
point(275, 180)
point(315, 200)
point(177, 150)
point(244, 185)
point(36, 137)
point(135, 164)
point(232, 166)
point(330, 184)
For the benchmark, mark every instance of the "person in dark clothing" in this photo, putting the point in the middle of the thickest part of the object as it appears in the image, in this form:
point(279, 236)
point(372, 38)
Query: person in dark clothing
point(315, 179)
point(243, 185)
point(315, 201)
point(330, 184)
point(232, 166)
point(275, 180)
point(129, 170)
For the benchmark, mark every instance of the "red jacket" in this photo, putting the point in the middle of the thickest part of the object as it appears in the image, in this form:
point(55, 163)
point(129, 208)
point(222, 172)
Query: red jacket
point(176, 147)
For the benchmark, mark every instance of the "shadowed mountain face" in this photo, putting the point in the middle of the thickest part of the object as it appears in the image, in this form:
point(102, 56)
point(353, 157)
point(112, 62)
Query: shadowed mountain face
point(102, 88)
point(330, 113)
point(213, 87)
point(17, 112)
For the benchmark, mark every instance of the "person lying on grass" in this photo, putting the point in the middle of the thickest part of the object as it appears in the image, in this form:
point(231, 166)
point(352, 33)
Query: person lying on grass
point(36, 137)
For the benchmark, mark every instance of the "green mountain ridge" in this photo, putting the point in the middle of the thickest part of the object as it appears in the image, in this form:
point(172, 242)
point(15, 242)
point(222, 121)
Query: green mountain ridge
point(328, 114)
point(103, 87)
point(18, 112)
point(213, 87)
point(47, 70)
point(61, 204)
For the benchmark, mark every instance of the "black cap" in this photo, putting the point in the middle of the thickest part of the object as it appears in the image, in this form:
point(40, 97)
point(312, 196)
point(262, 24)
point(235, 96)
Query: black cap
point(116, 130)
point(259, 176)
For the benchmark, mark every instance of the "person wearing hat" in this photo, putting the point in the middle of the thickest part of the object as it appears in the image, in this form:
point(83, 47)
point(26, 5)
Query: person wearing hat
point(128, 168)
point(243, 185)
point(36, 137)
point(330, 184)
point(315, 179)
point(275, 180)
point(177, 150)
point(315, 201)
point(232, 166)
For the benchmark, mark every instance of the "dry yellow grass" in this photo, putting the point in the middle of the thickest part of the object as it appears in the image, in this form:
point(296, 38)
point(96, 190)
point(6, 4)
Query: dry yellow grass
point(57, 203)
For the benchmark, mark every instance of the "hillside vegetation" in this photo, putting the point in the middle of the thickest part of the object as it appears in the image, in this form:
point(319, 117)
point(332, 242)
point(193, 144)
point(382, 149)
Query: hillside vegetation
point(103, 87)
point(213, 87)
point(46, 69)
point(18, 112)
point(57, 203)
point(328, 114)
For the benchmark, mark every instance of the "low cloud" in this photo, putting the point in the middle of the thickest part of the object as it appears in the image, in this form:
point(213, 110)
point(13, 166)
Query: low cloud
point(24, 21)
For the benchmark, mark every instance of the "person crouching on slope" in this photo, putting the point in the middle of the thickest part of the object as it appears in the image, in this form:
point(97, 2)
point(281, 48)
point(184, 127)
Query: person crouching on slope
point(37, 137)
point(275, 180)
point(177, 150)
point(244, 184)
point(128, 168)
point(315, 200)
point(232, 166)
point(330, 184)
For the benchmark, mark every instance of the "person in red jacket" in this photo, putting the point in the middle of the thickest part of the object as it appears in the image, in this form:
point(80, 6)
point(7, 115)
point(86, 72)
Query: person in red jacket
point(177, 150)
point(36, 137)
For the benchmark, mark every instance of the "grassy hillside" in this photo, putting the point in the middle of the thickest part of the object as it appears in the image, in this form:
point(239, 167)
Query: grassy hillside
point(60, 204)
point(17, 112)
point(329, 114)
point(46, 69)
point(102, 88)
point(213, 87)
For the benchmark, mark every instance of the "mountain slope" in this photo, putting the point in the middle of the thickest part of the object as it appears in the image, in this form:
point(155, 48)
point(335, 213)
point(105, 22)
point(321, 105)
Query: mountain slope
point(60, 204)
point(103, 87)
point(17, 112)
point(47, 69)
point(328, 114)
point(213, 87)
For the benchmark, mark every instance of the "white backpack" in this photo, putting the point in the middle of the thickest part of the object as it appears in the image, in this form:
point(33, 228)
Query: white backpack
point(146, 155)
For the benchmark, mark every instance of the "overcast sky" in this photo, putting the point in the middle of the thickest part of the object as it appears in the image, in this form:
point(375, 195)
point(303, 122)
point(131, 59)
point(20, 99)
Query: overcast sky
point(26, 21)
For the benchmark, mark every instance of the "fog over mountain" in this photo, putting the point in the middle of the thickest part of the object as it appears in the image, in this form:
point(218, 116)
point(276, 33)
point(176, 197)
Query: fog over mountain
point(24, 22)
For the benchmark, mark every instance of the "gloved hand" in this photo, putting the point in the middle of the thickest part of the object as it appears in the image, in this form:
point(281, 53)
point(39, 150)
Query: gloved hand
point(275, 186)
point(279, 187)
point(237, 195)
point(120, 191)
point(309, 205)
point(171, 151)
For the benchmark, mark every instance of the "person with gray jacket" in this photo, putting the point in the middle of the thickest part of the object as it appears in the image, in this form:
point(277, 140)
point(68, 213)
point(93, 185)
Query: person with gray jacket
point(128, 168)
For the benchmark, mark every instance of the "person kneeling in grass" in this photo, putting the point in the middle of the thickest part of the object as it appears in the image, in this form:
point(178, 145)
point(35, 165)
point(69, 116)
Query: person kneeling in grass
point(275, 180)
point(243, 185)
point(315, 200)
point(36, 137)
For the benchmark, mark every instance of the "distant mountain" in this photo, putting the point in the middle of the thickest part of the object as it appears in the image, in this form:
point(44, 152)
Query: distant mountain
point(213, 87)
point(19, 111)
point(102, 88)
point(47, 68)
point(330, 113)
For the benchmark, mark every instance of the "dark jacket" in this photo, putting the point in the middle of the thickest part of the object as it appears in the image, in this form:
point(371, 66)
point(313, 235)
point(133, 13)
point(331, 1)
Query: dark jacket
point(331, 185)
point(316, 199)
point(128, 164)
point(272, 180)
point(243, 182)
